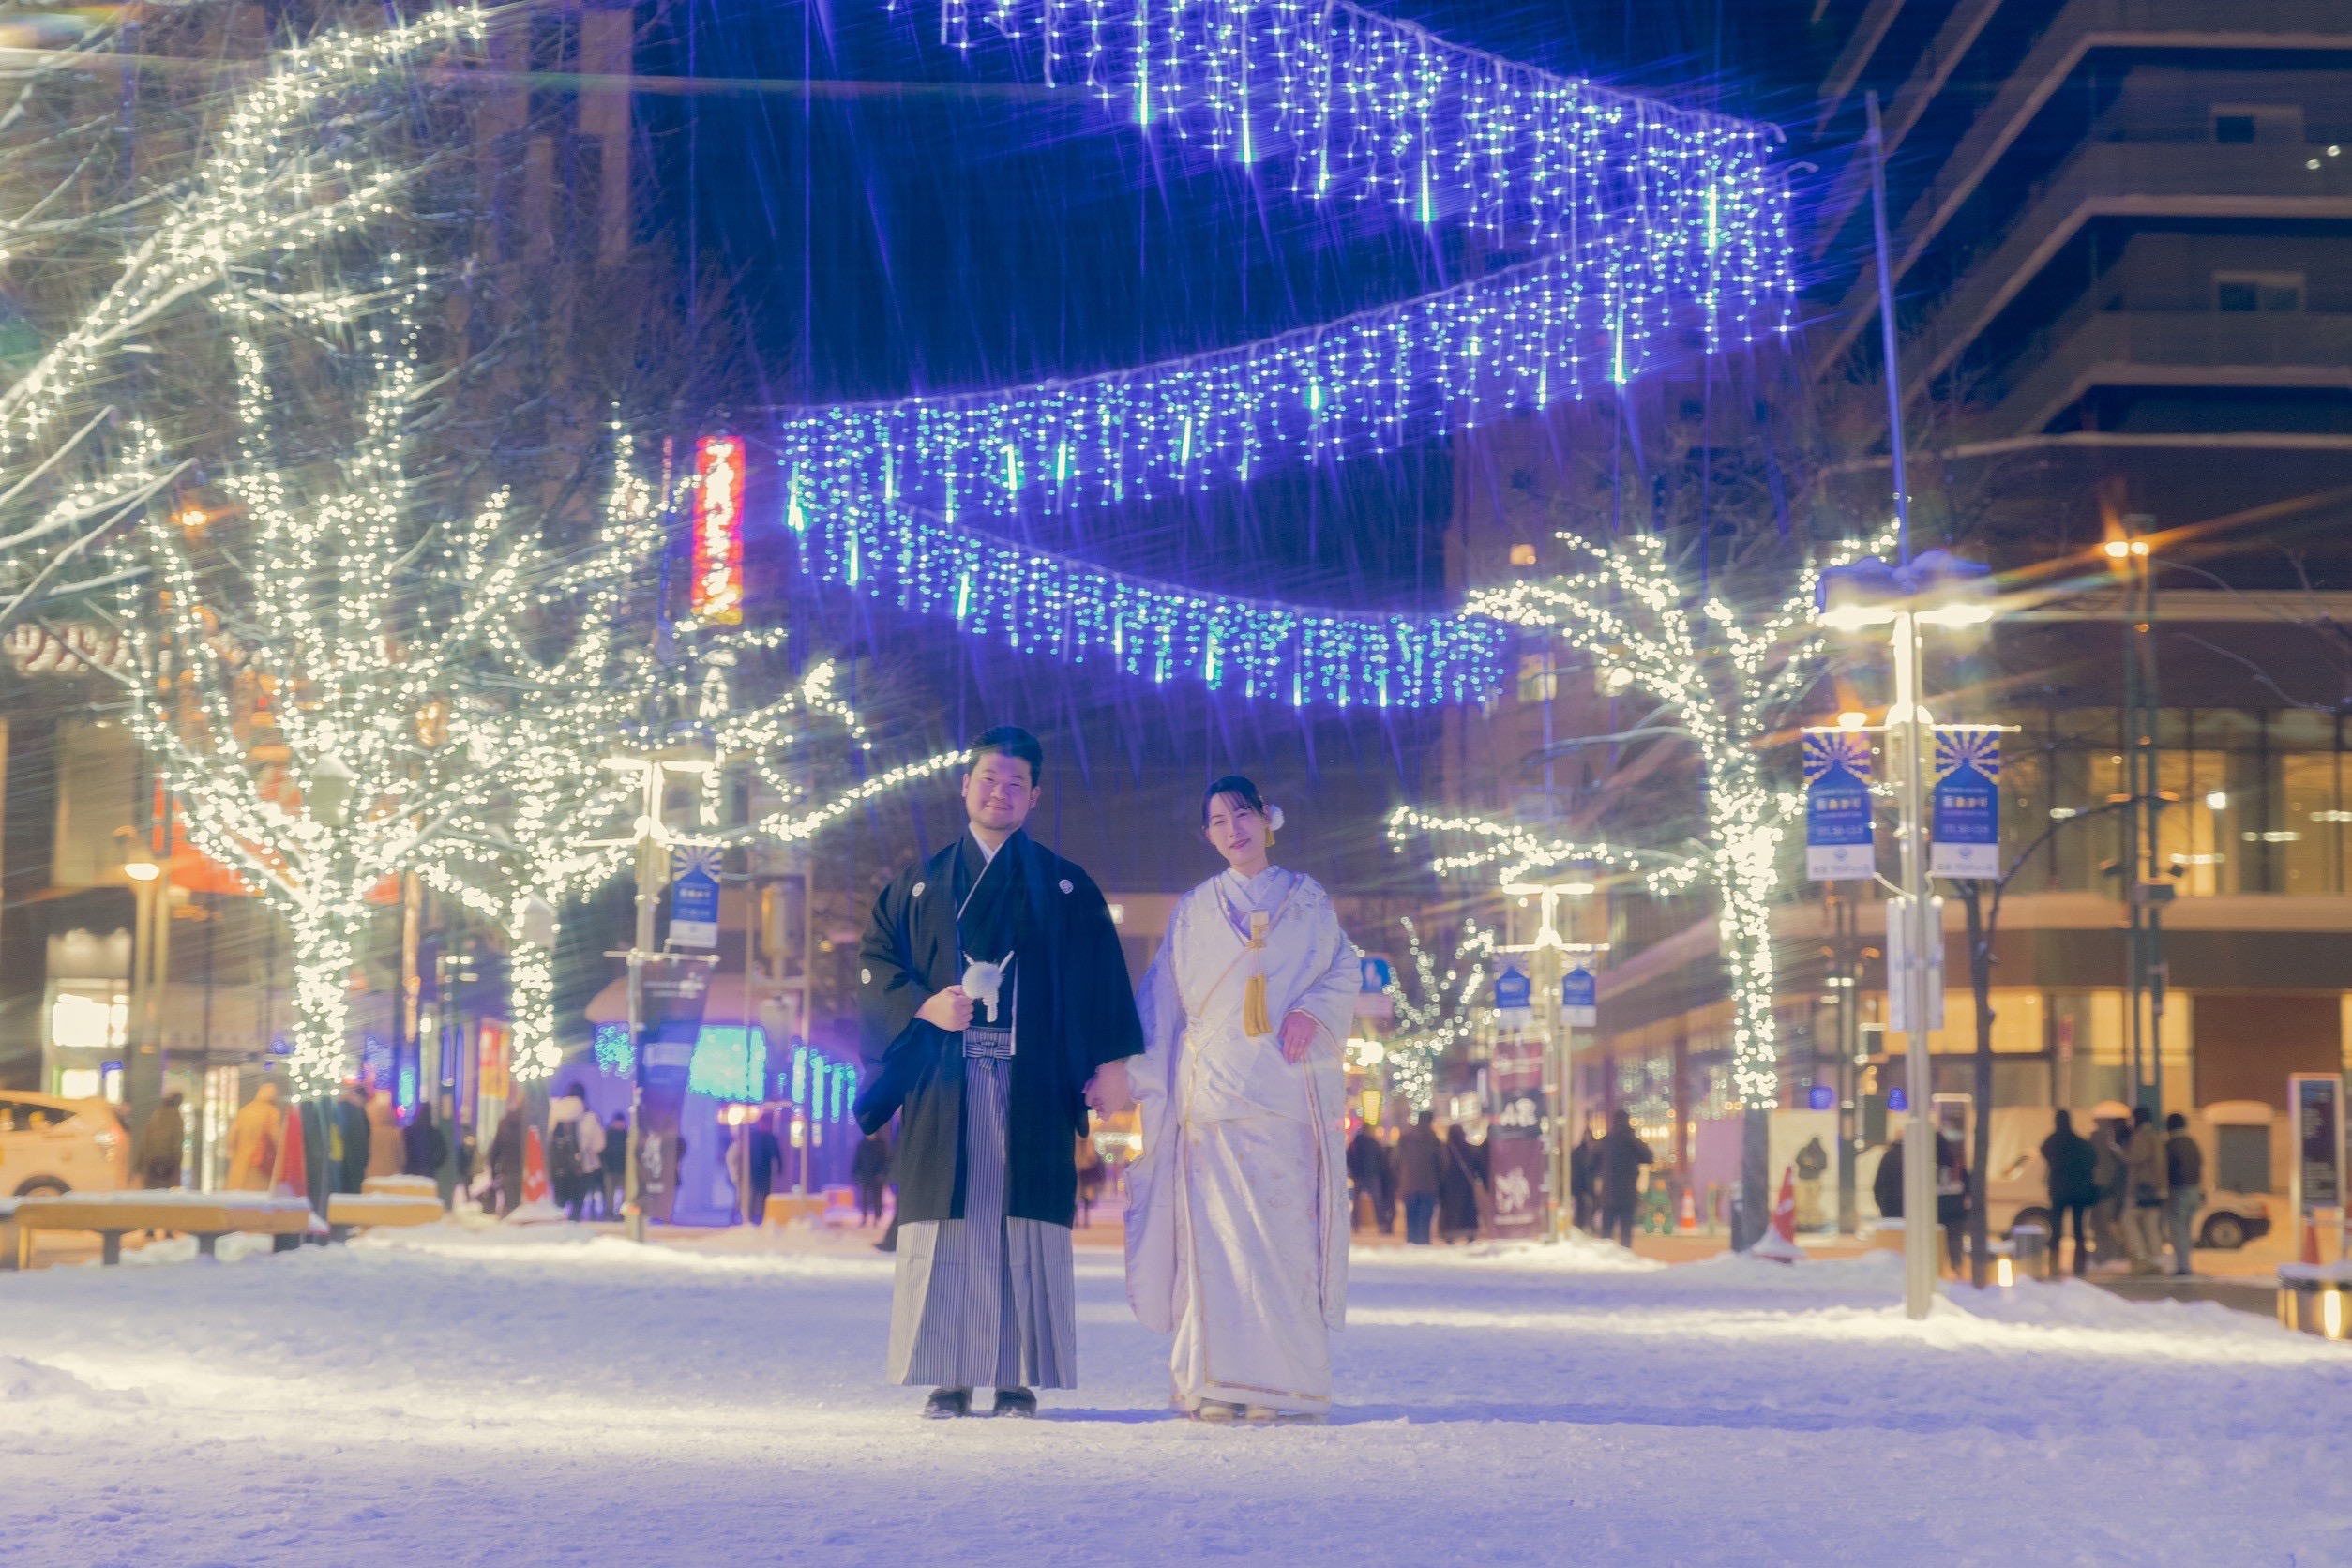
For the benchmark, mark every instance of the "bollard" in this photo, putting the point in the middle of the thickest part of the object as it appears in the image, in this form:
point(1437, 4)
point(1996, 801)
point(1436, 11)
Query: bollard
point(2029, 1244)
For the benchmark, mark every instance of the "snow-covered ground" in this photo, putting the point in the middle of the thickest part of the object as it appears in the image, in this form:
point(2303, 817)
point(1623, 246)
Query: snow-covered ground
point(444, 1397)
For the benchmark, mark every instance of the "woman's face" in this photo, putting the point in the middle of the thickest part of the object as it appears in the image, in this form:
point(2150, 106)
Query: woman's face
point(1238, 832)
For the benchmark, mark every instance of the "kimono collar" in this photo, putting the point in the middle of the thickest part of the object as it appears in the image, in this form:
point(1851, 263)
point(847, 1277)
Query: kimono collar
point(1267, 885)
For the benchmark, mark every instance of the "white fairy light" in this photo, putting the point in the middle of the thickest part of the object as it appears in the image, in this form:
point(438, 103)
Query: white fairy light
point(1442, 1014)
point(1726, 686)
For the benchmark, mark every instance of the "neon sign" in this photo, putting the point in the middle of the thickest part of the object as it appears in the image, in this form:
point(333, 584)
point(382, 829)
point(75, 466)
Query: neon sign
point(717, 596)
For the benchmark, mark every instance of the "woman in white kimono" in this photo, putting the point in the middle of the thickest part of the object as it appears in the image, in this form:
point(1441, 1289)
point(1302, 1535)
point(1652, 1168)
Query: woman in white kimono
point(1237, 1219)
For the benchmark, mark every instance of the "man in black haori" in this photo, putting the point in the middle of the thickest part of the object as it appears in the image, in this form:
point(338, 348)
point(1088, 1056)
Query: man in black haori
point(992, 994)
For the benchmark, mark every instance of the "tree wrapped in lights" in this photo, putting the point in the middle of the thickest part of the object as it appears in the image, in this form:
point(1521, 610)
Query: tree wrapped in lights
point(1727, 687)
point(1439, 1012)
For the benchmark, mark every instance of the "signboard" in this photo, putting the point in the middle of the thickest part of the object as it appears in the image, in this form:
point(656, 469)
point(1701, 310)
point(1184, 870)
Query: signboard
point(717, 590)
point(1515, 1168)
point(1838, 843)
point(1579, 999)
point(1967, 806)
point(1513, 993)
point(1899, 935)
point(2316, 1100)
point(1373, 1000)
point(694, 896)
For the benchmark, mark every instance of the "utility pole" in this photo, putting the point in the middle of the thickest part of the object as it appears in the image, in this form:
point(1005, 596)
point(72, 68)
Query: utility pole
point(1550, 952)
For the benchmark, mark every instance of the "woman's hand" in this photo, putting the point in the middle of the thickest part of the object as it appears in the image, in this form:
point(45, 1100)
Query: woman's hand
point(1297, 1036)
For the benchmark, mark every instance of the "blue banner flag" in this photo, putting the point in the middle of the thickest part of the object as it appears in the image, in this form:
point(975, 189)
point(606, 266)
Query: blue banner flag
point(1967, 837)
point(694, 896)
point(1579, 999)
point(1838, 842)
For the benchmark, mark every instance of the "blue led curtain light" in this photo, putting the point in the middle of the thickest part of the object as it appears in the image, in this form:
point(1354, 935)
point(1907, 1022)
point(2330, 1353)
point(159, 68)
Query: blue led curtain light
point(1360, 106)
point(1080, 612)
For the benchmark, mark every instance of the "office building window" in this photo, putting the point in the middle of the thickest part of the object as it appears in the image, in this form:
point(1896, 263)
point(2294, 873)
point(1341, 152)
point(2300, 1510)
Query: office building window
point(2267, 293)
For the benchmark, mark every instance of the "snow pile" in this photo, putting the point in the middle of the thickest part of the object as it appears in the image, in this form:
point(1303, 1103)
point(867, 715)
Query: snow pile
point(235, 1247)
point(1576, 1253)
point(477, 1393)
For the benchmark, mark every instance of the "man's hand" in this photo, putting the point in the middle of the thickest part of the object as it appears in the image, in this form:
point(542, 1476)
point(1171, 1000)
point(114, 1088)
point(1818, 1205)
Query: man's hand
point(1298, 1034)
point(950, 1010)
point(1107, 1092)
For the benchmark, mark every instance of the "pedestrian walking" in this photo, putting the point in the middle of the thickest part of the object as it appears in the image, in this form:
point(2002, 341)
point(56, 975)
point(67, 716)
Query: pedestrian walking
point(1621, 1156)
point(2184, 1175)
point(1375, 1182)
point(567, 1160)
point(425, 1150)
point(2110, 1177)
point(2144, 1212)
point(1584, 1178)
point(765, 1163)
point(1420, 1158)
point(2071, 1166)
point(614, 1159)
point(155, 1157)
point(1090, 1172)
point(1952, 1197)
point(253, 1134)
point(385, 1152)
point(348, 1139)
point(869, 1171)
point(995, 1004)
point(505, 1160)
point(1811, 1163)
point(1459, 1181)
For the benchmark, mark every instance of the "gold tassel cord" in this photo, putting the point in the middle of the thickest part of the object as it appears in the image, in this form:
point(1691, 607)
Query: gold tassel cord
point(1255, 1024)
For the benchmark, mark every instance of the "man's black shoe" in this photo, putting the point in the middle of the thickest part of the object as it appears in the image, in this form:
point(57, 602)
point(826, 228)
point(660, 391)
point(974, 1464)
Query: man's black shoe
point(1015, 1401)
point(947, 1404)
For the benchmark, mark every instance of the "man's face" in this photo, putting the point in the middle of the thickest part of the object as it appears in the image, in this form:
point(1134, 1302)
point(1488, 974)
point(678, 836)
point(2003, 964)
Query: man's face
point(998, 793)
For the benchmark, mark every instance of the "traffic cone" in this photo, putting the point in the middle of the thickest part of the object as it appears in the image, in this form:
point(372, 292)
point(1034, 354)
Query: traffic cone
point(534, 1167)
point(1690, 1212)
point(1779, 1241)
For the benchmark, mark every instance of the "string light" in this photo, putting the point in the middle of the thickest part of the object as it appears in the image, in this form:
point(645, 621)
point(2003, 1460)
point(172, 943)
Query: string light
point(1643, 198)
point(1081, 612)
point(1522, 337)
point(1443, 1015)
point(1727, 684)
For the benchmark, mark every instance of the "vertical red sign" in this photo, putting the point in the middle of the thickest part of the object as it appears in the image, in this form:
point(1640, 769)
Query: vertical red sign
point(718, 530)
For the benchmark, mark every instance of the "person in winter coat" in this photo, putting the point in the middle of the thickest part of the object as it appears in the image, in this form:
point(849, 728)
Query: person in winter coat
point(1584, 1178)
point(1620, 1156)
point(616, 1164)
point(567, 1148)
point(1459, 1181)
point(869, 1171)
point(1375, 1183)
point(253, 1134)
point(1951, 1191)
point(155, 1158)
point(425, 1150)
point(767, 1162)
point(505, 1159)
point(1420, 1157)
point(2184, 1174)
point(348, 1141)
point(386, 1152)
point(2108, 1177)
point(2148, 1187)
point(2073, 1166)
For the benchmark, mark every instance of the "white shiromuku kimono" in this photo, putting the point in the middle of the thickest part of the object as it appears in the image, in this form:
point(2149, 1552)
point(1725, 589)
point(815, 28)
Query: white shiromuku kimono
point(1237, 1213)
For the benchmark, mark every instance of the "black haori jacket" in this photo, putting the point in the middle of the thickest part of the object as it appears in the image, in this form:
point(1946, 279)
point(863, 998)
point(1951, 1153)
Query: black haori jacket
point(1076, 1012)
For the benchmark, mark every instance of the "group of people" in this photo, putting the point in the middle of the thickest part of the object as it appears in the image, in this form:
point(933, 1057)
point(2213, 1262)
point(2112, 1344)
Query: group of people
point(996, 1011)
point(1439, 1182)
point(2139, 1189)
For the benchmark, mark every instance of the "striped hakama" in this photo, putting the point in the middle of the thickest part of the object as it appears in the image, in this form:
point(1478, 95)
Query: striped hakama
point(984, 1301)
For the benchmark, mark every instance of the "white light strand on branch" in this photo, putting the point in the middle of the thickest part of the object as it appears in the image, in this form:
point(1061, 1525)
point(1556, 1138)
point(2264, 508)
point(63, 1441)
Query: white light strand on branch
point(1727, 684)
point(1083, 614)
point(1360, 106)
point(1443, 1015)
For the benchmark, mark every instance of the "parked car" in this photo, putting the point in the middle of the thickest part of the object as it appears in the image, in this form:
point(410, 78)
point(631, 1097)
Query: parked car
point(51, 1145)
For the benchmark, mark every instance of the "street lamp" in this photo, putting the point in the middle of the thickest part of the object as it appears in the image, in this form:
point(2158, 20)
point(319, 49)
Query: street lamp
point(1550, 951)
point(691, 754)
point(1934, 589)
point(150, 964)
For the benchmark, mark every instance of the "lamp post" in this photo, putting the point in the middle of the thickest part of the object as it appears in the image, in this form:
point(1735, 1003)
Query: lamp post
point(1549, 951)
point(651, 841)
point(150, 963)
point(1934, 589)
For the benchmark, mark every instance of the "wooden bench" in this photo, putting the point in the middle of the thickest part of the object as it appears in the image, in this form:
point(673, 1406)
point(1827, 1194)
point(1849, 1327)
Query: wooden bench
point(207, 1216)
point(361, 1209)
